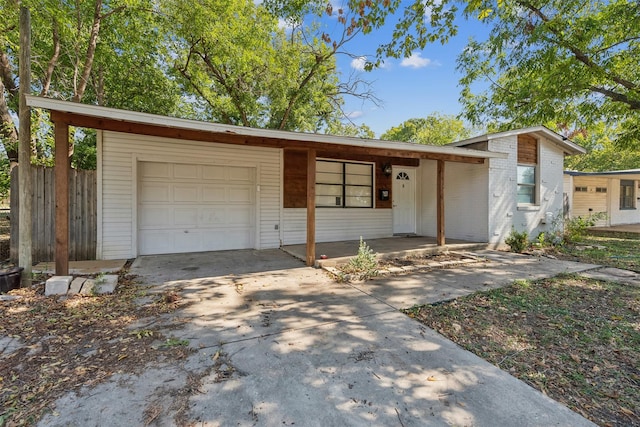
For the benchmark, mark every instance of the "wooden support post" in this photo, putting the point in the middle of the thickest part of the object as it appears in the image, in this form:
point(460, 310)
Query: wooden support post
point(311, 207)
point(62, 165)
point(24, 151)
point(440, 204)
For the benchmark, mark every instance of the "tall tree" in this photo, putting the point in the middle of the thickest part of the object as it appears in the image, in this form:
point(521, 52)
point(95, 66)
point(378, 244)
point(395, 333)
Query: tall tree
point(435, 129)
point(84, 51)
point(245, 69)
point(560, 61)
point(602, 152)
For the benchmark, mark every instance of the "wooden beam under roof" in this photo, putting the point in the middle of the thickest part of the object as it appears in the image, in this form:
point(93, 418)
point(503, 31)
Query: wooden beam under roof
point(74, 119)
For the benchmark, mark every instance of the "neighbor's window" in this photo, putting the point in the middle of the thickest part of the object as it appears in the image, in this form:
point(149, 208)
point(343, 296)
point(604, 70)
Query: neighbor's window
point(601, 189)
point(526, 184)
point(581, 189)
point(627, 194)
point(527, 169)
point(343, 184)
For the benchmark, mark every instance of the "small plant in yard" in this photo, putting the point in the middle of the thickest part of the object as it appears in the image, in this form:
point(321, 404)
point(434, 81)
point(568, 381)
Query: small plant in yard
point(576, 228)
point(364, 264)
point(517, 240)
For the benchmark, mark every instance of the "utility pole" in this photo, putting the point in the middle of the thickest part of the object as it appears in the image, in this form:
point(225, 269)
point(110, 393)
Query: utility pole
point(24, 150)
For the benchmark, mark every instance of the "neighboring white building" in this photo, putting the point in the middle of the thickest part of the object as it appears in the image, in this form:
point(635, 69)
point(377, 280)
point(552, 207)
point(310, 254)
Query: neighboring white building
point(168, 185)
point(616, 193)
point(524, 190)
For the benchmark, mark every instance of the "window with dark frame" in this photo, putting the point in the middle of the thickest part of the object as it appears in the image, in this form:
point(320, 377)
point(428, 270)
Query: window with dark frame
point(601, 189)
point(627, 194)
point(581, 189)
point(344, 184)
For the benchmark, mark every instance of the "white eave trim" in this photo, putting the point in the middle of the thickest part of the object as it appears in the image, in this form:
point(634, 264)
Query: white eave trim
point(566, 144)
point(172, 122)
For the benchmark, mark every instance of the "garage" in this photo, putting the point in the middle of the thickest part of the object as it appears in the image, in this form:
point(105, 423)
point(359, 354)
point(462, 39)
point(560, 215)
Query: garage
point(195, 208)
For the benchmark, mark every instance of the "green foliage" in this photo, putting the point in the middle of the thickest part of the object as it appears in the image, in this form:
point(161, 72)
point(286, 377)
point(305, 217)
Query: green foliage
point(350, 129)
point(5, 177)
point(364, 264)
point(603, 154)
point(518, 241)
point(435, 129)
point(576, 228)
point(559, 61)
point(242, 68)
point(569, 62)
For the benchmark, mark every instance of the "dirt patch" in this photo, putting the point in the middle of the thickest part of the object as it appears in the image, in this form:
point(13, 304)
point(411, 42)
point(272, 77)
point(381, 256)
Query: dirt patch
point(63, 344)
point(574, 339)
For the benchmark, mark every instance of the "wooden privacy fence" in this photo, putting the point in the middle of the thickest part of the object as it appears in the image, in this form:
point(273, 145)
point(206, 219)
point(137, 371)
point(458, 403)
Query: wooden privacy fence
point(82, 214)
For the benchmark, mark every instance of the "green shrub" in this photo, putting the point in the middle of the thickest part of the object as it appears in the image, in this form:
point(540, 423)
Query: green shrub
point(576, 228)
point(517, 241)
point(364, 264)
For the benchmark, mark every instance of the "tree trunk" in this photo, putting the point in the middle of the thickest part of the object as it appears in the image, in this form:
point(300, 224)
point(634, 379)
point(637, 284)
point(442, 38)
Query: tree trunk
point(8, 131)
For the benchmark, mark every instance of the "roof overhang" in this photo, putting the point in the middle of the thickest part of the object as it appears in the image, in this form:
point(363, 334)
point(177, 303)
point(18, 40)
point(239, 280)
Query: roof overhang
point(629, 173)
point(104, 118)
point(568, 147)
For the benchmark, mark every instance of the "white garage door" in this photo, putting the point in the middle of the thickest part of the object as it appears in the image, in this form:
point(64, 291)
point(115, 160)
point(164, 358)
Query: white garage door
point(193, 208)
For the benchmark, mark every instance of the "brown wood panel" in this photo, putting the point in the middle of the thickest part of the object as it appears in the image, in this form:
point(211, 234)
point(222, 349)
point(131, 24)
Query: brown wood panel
point(311, 207)
point(295, 179)
point(440, 237)
point(527, 149)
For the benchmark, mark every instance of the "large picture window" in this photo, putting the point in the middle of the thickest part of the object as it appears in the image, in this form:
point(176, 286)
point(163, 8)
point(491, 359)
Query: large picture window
point(627, 194)
point(343, 184)
point(526, 184)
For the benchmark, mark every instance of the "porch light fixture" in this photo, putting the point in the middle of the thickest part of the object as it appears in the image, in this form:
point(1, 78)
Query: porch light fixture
point(386, 169)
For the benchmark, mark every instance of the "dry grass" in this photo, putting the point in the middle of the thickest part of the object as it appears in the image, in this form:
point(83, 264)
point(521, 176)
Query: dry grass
point(576, 340)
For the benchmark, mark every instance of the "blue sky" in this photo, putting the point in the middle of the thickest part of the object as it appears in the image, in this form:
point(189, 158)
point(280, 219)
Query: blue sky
point(425, 83)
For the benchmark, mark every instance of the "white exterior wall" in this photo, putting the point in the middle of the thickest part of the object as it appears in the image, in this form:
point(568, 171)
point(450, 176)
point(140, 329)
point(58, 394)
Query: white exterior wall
point(465, 200)
point(504, 212)
point(586, 203)
point(335, 224)
point(118, 155)
point(625, 216)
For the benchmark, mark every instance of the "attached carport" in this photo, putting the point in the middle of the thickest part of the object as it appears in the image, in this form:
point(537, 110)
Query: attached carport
point(65, 114)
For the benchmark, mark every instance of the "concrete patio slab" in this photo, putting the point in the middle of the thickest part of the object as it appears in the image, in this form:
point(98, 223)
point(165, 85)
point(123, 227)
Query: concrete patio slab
point(386, 248)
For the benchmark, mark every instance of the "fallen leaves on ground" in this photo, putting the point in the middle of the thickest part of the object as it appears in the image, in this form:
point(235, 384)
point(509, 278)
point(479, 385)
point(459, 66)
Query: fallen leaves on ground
point(69, 343)
point(576, 340)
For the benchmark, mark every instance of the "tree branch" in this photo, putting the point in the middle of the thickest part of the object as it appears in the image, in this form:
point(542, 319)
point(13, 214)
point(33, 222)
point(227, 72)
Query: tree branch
point(578, 53)
point(6, 76)
point(46, 82)
point(616, 96)
point(90, 55)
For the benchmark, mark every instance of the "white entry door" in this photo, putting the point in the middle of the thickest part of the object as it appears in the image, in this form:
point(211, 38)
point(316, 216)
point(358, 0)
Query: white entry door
point(404, 200)
point(195, 208)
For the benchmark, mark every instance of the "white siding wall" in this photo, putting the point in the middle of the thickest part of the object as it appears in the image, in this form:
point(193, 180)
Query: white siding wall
point(465, 203)
point(504, 212)
point(590, 202)
point(117, 166)
point(626, 216)
point(337, 224)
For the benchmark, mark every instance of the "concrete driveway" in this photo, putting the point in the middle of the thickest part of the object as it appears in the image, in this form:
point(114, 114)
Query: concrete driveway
point(278, 343)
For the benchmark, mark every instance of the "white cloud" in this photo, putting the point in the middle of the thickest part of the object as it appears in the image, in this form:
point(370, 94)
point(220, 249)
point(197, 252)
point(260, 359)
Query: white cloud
point(354, 114)
point(359, 63)
point(417, 61)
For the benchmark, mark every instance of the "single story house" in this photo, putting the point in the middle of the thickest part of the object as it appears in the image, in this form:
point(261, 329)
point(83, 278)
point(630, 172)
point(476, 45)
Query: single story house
point(168, 185)
point(616, 193)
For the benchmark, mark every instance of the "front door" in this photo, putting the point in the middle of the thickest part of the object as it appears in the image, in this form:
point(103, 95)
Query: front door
point(404, 200)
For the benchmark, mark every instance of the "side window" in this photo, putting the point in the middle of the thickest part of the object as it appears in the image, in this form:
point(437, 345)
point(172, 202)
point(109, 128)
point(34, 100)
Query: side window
point(627, 194)
point(527, 175)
